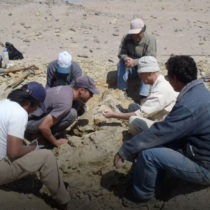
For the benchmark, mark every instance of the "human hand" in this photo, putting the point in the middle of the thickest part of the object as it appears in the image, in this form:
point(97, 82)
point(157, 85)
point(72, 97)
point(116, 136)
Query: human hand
point(108, 113)
point(117, 158)
point(129, 62)
point(60, 142)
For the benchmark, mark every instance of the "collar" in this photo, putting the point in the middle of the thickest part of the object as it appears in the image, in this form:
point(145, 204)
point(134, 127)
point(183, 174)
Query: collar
point(188, 87)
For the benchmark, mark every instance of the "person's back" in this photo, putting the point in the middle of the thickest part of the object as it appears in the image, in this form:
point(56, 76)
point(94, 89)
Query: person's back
point(11, 115)
point(62, 71)
point(196, 103)
point(58, 101)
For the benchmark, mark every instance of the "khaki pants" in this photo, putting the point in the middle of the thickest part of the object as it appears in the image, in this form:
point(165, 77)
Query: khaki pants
point(138, 124)
point(43, 161)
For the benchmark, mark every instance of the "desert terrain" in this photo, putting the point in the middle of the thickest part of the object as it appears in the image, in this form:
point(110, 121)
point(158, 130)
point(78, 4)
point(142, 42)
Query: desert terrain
point(91, 31)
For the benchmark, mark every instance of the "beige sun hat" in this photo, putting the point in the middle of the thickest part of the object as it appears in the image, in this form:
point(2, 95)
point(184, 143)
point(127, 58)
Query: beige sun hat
point(136, 26)
point(148, 64)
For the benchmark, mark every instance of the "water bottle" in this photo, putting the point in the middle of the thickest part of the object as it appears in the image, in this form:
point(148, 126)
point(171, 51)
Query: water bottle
point(5, 57)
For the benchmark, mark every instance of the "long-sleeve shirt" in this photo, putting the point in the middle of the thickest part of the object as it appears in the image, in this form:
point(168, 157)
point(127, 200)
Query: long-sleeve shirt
point(53, 76)
point(160, 100)
point(130, 48)
point(186, 125)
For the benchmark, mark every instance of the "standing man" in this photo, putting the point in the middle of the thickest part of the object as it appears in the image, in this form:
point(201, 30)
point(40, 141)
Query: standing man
point(51, 125)
point(136, 44)
point(62, 71)
point(157, 105)
point(179, 145)
point(18, 160)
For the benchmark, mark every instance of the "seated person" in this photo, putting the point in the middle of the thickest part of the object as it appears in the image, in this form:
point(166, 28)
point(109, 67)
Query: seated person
point(178, 145)
point(136, 44)
point(51, 124)
point(158, 104)
point(62, 71)
point(18, 160)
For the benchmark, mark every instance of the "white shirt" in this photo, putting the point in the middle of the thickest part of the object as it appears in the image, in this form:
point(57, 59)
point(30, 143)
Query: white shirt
point(13, 121)
point(160, 100)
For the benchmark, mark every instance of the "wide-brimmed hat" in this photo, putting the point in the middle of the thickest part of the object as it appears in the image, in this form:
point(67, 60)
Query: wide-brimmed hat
point(136, 26)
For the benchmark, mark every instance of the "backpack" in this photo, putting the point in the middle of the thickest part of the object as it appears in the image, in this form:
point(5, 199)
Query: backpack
point(13, 53)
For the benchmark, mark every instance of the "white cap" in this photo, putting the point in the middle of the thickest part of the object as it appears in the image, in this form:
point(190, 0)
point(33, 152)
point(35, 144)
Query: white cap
point(136, 26)
point(148, 64)
point(64, 62)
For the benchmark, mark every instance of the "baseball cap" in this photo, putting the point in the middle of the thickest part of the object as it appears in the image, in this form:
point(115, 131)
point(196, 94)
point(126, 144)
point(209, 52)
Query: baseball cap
point(136, 26)
point(87, 83)
point(38, 92)
point(64, 62)
point(148, 64)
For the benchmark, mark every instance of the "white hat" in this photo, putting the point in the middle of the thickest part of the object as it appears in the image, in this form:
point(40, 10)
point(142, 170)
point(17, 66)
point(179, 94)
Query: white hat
point(64, 62)
point(136, 26)
point(148, 64)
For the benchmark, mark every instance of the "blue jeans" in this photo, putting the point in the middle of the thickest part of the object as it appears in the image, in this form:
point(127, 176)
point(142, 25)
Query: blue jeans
point(122, 78)
point(153, 161)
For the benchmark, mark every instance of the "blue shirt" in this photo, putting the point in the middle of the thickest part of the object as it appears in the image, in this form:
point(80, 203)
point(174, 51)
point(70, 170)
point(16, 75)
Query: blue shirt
point(187, 127)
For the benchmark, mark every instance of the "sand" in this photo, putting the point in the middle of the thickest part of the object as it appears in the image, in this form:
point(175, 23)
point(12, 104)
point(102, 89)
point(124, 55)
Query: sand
point(91, 31)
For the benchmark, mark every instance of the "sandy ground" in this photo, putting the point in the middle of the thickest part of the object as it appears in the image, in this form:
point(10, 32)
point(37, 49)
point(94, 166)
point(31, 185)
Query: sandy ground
point(91, 31)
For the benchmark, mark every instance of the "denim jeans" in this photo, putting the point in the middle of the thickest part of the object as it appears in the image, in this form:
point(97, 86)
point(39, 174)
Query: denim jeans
point(122, 76)
point(153, 161)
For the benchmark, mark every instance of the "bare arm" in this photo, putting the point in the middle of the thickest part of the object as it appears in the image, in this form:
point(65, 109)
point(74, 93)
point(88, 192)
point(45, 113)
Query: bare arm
point(16, 148)
point(45, 129)
point(124, 116)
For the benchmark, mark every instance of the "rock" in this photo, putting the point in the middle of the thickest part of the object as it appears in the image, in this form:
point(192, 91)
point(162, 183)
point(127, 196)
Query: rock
point(72, 29)
point(37, 14)
point(82, 56)
point(97, 13)
point(57, 31)
point(26, 40)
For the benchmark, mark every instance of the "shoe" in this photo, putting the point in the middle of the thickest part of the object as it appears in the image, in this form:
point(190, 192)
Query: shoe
point(132, 202)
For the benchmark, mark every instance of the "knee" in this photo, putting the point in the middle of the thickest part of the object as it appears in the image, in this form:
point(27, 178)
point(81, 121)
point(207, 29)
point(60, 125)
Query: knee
point(145, 156)
point(133, 107)
point(46, 154)
point(131, 126)
point(73, 114)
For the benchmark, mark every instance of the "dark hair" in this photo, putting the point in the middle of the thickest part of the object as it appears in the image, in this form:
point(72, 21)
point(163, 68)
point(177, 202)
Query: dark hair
point(183, 67)
point(22, 96)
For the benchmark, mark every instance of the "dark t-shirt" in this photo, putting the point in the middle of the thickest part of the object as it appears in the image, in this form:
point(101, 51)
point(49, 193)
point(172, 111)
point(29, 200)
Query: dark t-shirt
point(58, 102)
